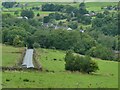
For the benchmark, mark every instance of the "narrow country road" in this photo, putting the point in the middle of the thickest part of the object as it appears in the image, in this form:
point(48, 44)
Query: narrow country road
point(28, 59)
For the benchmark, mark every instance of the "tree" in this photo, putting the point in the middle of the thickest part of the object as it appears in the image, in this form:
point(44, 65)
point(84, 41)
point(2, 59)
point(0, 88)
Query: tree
point(16, 13)
point(89, 65)
point(100, 15)
point(36, 45)
point(8, 4)
point(30, 41)
point(82, 5)
point(69, 60)
point(82, 9)
point(106, 41)
point(46, 19)
point(73, 25)
point(27, 13)
point(52, 7)
point(13, 33)
point(86, 20)
point(38, 14)
point(79, 63)
point(17, 42)
point(101, 52)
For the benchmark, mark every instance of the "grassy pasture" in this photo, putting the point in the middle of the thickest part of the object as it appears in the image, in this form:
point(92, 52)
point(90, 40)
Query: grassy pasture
point(106, 77)
point(91, 6)
point(57, 80)
point(96, 6)
point(10, 55)
point(47, 59)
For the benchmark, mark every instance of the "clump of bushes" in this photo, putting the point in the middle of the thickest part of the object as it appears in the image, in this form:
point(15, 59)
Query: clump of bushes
point(79, 63)
point(101, 52)
point(36, 45)
point(25, 80)
point(7, 80)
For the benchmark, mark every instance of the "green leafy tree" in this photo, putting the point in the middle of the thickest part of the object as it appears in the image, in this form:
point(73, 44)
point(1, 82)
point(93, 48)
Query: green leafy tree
point(82, 9)
point(16, 13)
point(101, 52)
point(73, 25)
point(46, 19)
point(38, 14)
point(80, 63)
point(17, 42)
point(8, 4)
point(36, 45)
point(27, 13)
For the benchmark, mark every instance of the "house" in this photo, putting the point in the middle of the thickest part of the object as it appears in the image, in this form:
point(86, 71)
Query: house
point(87, 15)
point(25, 17)
point(22, 17)
point(69, 29)
point(82, 31)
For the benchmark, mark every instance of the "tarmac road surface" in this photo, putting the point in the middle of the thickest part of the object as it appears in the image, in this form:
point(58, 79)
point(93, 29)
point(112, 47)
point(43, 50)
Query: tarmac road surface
point(28, 59)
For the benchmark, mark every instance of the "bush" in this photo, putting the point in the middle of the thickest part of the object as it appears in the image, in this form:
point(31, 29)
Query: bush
point(36, 45)
point(27, 13)
point(80, 63)
point(73, 25)
point(101, 52)
point(25, 80)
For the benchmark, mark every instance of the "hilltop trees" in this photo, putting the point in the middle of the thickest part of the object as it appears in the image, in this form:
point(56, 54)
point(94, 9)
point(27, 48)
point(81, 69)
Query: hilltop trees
point(99, 30)
point(79, 63)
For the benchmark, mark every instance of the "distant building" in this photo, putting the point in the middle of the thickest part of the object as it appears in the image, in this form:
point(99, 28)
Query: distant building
point(25, 17)
point(56, 27)
point(22, 17)
point(87, 15)
point(69, 29)
point(82, 31)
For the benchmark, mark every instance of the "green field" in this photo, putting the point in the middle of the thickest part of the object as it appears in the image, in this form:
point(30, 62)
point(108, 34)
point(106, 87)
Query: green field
point(96, 6)
point(55, 76)
point(10, 55)
point(91, 6)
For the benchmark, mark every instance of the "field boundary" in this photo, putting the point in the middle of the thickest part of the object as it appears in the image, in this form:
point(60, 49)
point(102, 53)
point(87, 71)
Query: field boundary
point(36, 61)
point(18, 64)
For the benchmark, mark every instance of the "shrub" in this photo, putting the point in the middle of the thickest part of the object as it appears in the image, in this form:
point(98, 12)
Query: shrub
point(80, 63)
point(25, 80)
point(73, 25)
point(7, 80)
point(101, 52)
point(36, 45)
point(27, 13)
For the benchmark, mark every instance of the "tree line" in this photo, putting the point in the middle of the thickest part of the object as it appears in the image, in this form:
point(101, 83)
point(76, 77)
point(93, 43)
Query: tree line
point(100, 40)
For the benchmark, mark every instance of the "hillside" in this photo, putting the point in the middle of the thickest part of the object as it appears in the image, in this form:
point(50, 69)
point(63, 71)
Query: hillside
point(55, 76)
point(60, 44)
